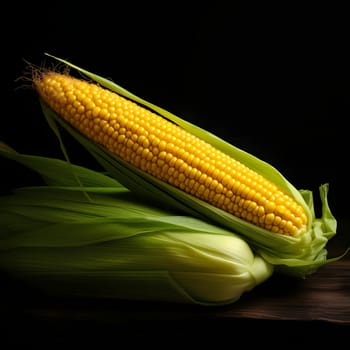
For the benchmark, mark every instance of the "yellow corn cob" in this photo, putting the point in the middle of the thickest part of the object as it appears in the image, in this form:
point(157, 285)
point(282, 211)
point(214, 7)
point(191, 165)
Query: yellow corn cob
point(168, 152)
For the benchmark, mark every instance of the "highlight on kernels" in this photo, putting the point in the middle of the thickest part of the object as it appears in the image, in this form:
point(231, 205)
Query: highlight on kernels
point(165, 150)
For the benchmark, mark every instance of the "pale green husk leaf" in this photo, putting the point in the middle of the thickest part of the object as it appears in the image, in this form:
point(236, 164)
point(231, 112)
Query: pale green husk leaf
point(116, 245)
point(298, 255)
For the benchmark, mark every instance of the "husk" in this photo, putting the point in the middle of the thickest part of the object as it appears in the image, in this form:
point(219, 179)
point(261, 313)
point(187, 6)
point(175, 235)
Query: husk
point(115, 245)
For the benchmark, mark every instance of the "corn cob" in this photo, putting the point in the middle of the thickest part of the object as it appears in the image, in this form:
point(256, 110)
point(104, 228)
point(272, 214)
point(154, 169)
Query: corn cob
point(168, 152)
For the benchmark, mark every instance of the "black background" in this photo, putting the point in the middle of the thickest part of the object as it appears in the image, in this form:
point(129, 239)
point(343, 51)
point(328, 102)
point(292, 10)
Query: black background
point(272, 79)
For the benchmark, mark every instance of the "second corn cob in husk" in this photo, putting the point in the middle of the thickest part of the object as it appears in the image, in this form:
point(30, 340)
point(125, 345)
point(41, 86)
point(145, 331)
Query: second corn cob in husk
point(157, 154)
point(114, 245)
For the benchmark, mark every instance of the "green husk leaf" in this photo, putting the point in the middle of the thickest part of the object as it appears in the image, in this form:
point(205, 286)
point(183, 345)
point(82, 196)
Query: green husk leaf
point(298, 255)
point(117, 246)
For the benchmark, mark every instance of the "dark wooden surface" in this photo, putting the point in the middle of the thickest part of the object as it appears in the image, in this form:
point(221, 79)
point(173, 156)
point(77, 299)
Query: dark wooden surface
point(317, 307)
